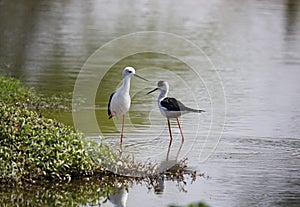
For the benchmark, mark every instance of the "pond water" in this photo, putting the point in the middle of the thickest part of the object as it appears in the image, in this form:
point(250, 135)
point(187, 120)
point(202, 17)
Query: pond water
point(246, 77)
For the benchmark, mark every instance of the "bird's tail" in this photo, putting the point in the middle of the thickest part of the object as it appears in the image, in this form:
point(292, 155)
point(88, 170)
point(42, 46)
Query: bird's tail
point(194, 110)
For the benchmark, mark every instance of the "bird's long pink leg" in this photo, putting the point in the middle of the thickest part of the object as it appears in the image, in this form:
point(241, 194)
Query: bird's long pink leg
point(182, 137)
point(170, 132)
point(121, 139)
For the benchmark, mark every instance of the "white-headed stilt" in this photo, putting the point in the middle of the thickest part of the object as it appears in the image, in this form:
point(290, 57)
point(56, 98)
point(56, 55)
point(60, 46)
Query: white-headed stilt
point(119, 101)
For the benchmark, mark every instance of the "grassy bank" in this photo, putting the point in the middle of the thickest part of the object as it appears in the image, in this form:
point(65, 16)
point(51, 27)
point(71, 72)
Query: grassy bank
point(33, 147)
point(13, 92)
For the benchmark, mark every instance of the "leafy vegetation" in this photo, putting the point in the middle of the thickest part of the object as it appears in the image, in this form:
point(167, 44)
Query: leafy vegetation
point(33, 146)
point(12, 91)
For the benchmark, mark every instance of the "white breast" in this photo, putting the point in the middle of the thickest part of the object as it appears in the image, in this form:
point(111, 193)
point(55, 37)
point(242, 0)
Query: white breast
point(120, 103)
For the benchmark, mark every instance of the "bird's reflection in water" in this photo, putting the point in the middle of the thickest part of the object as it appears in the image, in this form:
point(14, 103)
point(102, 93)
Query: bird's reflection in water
point(160, 187)
point(164, 166)
point(178, 152)
point(119, 197)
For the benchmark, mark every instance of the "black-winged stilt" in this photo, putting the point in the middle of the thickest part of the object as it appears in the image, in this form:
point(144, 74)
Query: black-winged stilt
point(171, 108)
point(119, 101)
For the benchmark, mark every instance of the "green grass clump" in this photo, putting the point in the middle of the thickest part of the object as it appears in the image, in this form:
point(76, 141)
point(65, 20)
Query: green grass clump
point(12, 91)
point(33, 147)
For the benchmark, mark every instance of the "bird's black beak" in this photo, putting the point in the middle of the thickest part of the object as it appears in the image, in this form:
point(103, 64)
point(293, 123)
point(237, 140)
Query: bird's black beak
point(140, 77)
point(152, 91)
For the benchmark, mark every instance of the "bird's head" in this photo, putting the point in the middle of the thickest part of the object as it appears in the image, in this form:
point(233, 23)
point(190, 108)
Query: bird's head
point(129, 72)
point(162, 86)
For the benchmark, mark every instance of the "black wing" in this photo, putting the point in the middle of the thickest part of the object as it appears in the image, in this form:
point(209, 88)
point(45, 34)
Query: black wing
point(172, 104)
point(108, 107)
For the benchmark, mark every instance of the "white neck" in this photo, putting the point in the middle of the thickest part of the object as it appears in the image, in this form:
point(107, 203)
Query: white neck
point(163, 94)
point(126, 84)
